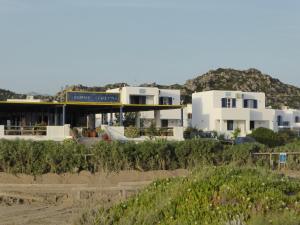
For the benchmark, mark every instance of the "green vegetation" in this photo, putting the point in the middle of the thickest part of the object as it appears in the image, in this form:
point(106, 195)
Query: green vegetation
point(223, 190)
point(210, 195)
point(236, 133)
point(267, 137)
point(6, 94)
point(132, 132)
point(272, 139)
point(42, 157)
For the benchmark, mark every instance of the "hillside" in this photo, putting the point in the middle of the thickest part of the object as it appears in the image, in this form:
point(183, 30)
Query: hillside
point(278, 94)
point(211, 195)
point(6, 94)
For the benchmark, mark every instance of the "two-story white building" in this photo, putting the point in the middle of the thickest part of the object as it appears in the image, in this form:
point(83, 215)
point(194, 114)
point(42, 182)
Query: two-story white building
point(152, 96)
point(225, 111)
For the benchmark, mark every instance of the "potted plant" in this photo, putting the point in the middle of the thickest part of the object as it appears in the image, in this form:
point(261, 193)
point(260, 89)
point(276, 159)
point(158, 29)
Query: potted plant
point(93, 133)
point(99, 131)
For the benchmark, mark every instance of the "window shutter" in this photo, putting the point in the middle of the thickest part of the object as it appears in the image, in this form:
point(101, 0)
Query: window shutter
point(255, 104)
point(224, 103)
point(233, 103)
point(245, 103)
point(161, 100)
point(170, 101)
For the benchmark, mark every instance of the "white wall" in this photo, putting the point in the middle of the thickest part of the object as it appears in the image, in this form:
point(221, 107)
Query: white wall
point(202, 107)
point(115, 132)
point(1, 131)
point(54, 133)
point(209, 115)
point(187, 110)
point(239, 96)
point(288, 115)
point(153, 94)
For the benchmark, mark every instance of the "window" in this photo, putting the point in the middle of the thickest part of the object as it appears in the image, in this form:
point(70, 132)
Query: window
point(228, 102)
point(190, 115)
point(250, 103)
point(229, 124)
point(279, 120)
point(137, 99)
point(297, 119)
point(165, 100)
point(252, 125)
point(224, 102)
point(164, 123)
point(286, 123)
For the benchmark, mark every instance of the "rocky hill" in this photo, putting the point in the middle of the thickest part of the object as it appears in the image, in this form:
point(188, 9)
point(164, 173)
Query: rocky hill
point(278, 94)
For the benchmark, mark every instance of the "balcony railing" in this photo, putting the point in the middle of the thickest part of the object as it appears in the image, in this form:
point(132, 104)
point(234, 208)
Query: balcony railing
point(25, 130)
point(164, 131)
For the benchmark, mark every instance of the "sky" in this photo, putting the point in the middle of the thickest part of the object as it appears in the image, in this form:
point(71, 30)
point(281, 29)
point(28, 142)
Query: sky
point(47, 44)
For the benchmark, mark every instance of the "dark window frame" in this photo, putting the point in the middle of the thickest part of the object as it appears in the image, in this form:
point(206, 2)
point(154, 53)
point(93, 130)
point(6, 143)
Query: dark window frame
point(247, 105)
point(164, 123)
point(230, 125)
point(252, 125)
point(228, 103)
point(162, 98)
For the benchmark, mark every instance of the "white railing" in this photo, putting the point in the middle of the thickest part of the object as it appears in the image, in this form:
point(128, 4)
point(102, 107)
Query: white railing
point(37, 133)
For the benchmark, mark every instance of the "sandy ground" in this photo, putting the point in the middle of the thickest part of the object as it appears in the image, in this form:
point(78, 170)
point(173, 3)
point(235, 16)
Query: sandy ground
point(53, 199)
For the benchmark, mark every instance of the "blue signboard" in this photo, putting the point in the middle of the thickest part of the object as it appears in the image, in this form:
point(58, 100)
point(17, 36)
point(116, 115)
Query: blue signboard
point(93, 97)
point(282, 157)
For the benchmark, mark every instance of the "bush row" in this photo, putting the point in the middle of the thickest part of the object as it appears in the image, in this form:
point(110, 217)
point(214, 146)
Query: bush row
point(42, 157)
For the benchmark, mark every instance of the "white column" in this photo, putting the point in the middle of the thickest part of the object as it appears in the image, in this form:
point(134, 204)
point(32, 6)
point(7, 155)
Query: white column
point(1, 131)
point(222, 125)
point(91, 121)
point(157, 118)
point(137, 119)
point(247, 127)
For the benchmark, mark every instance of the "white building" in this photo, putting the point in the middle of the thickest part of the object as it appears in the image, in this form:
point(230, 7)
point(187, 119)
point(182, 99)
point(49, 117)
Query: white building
point(225, 111)
point(187, 115)
point(152, 96)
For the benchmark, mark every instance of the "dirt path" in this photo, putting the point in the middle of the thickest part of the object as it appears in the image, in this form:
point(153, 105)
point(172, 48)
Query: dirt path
point(58, 199)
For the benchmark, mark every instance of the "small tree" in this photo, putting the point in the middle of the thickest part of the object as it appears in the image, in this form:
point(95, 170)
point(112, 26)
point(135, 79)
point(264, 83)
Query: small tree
point(151, 131)
point(236, 133)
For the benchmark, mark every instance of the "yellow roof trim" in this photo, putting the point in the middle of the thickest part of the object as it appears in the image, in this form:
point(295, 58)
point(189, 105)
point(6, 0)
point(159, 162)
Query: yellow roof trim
point(154, 105)
point(91, 104)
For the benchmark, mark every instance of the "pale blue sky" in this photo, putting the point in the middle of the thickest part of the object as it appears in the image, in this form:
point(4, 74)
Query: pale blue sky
point(46, 44)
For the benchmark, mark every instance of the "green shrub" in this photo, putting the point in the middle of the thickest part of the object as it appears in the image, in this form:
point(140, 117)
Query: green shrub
point(267, 137)
point(190, 132)
point(241, 154)
point(222, 195)
point(288, 135)
point(48, 156)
